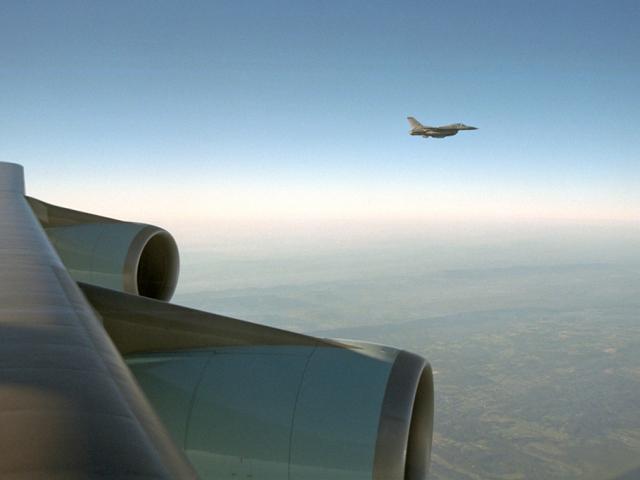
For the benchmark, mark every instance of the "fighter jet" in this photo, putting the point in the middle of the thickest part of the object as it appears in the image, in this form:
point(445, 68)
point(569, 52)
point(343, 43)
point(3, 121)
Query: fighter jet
point(436, 132)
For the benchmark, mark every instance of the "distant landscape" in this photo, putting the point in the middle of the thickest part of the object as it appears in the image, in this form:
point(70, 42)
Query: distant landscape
point(536, 359)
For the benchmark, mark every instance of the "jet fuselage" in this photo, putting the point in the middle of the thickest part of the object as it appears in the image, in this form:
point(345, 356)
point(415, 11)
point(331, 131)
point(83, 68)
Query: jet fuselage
point(436, 132)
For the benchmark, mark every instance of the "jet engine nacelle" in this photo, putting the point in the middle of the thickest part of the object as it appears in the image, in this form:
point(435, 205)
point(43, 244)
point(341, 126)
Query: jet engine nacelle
point(130, 257)
point(348, 411)
point(250, 401)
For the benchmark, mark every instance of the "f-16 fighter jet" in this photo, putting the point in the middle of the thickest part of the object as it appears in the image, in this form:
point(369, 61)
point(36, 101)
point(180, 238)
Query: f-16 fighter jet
point(436, 132)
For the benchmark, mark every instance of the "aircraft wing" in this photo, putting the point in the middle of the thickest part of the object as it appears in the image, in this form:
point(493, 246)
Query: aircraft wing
point(99, 381)
point(69, 407)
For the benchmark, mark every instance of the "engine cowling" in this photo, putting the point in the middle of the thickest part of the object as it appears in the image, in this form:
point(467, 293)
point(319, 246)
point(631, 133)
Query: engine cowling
point(250, 401)
point(294, 412)
point(130, 257)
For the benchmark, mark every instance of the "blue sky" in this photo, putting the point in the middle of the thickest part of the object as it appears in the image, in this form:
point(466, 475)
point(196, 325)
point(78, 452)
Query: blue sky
point(288, 109)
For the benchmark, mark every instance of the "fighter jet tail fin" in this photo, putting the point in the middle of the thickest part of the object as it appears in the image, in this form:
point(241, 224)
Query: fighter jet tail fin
point(414, 123)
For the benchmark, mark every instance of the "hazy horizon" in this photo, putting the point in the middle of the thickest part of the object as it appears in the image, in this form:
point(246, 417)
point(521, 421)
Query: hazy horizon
point(286, 111)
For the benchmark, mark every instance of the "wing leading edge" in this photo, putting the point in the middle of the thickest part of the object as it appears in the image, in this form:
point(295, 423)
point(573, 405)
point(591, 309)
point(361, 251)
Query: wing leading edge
point(68, 404)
